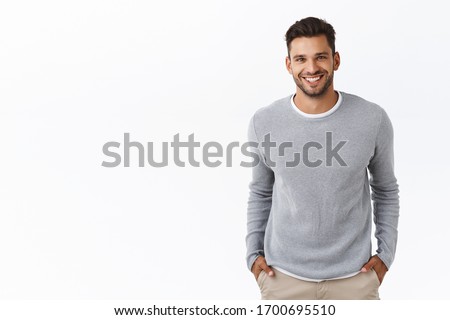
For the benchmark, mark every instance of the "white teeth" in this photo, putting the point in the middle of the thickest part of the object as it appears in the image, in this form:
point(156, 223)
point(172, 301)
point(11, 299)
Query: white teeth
point(312, 79)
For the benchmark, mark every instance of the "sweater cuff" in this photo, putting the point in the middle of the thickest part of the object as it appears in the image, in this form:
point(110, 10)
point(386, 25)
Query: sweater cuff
point(251, 260)
point(387, 260)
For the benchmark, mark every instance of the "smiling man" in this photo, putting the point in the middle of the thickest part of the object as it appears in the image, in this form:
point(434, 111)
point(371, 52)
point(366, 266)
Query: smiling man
point(309, 226)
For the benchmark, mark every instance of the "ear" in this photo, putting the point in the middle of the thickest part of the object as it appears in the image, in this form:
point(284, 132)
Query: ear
point(288, 65)
point(336, 60)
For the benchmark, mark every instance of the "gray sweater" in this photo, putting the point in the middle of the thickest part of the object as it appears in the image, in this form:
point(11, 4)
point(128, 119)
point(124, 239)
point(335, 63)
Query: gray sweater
point(309, 208)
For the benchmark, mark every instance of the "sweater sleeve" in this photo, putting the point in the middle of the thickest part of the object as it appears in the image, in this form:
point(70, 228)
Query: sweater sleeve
point(385, 191)
point(259, 201)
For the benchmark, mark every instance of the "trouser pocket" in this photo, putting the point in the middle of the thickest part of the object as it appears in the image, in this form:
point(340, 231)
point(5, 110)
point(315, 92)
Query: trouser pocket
point(261, 278)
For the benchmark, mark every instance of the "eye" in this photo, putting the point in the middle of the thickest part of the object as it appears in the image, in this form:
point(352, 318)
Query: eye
point(299, 59)
point(322, 57)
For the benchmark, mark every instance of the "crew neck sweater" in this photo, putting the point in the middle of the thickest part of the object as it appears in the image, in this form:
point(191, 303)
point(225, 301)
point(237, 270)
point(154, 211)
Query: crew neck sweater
point(310, 199)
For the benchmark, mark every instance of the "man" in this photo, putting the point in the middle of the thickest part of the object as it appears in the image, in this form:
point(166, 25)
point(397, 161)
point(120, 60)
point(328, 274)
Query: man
point(309, 216)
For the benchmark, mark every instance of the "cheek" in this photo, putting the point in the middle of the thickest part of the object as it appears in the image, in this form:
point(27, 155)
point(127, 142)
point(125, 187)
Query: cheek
point(326, 67)
point(330, 67)
point(296, 70)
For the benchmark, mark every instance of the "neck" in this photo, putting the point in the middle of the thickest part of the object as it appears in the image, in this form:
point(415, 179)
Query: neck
point(315, 105)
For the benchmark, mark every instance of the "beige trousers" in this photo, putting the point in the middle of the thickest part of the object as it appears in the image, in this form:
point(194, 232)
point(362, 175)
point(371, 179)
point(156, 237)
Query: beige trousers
point(363, 286)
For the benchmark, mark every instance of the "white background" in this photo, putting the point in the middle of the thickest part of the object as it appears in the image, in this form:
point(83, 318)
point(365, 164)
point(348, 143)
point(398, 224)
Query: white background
point(77, 74)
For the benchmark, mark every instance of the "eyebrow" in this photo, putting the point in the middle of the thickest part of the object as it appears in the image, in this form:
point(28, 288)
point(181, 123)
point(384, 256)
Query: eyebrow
point(317, 54)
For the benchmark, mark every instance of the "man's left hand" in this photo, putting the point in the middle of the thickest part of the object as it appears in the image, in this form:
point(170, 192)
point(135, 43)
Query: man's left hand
point(376, 264)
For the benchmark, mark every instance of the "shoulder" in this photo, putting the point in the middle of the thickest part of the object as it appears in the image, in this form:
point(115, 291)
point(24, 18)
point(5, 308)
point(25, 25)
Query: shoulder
point(363, 108)
point(359, 101)
point(273, 111)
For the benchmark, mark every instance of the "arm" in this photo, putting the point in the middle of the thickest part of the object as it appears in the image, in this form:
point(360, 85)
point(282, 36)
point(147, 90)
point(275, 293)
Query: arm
point(259, 202)
point(385, 192)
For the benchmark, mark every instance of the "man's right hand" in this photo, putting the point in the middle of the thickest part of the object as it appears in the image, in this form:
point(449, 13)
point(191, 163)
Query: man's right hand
point(259, 265)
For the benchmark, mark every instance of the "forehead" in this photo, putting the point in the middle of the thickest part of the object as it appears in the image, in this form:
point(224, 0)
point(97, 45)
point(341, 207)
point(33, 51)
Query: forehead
point(309, 45)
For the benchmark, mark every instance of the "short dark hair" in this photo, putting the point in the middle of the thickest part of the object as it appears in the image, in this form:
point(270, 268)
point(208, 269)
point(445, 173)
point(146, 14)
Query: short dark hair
point(310, 27)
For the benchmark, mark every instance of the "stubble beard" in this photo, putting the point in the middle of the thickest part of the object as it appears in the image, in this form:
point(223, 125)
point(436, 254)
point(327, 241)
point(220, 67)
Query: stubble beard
point(312, 93)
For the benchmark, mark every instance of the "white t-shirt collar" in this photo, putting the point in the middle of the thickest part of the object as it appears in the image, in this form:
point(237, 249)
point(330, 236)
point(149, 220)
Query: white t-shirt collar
point(317, 115)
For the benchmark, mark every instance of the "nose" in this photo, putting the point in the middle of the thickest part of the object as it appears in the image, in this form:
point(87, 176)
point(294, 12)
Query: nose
point(311, 67)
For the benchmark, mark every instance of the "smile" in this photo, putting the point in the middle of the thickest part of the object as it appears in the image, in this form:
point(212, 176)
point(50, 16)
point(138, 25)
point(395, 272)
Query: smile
point(313, 79)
